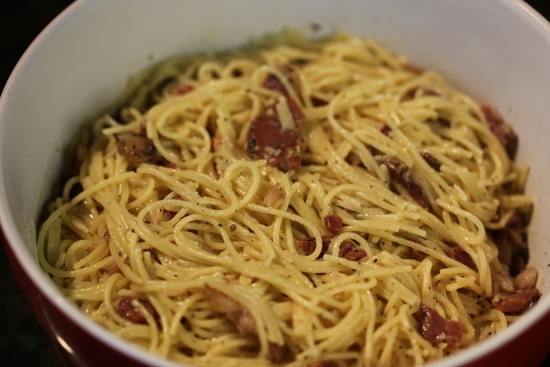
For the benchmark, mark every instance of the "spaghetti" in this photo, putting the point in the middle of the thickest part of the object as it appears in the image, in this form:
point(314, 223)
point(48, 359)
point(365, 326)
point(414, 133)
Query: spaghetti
point(322, 205)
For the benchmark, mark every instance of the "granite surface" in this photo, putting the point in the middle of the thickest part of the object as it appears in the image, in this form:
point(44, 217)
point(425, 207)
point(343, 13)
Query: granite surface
point(22, 341)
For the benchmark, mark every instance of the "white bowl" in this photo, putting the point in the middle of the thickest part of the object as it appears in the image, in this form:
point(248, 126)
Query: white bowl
point(497, 51)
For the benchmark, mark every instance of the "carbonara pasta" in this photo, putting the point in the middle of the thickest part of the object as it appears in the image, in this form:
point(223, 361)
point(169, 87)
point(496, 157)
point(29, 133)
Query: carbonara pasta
point(321, 205)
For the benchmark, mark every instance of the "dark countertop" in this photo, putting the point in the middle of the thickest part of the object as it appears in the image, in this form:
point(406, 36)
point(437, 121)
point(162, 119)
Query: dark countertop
point(22, 340)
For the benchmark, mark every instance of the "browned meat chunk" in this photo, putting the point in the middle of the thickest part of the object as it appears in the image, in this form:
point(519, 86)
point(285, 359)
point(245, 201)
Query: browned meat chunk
point(510, 299)
point(419, 92)
point(502, 130)
point(131, 313)
point(234, 311)
point(349, 250)
point(273, 83)
point(458, 254)
point(318, 102)
point(515, 302)
point(353, 159)
point(136, 148)
point(242, 318)
point(432, 162)
point(437, 329)
point(404, 176)
point(277, 352)
point(295, 111)
point(276, 137)
point(386, 130)
point(512, 243)
point(307, 245)
point(418, 255)
point(333, 223)
point(182, 89)
point(280, 147)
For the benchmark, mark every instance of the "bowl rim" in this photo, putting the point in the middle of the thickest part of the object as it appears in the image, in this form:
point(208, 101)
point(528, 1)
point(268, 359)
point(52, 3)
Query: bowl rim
point(14, 240)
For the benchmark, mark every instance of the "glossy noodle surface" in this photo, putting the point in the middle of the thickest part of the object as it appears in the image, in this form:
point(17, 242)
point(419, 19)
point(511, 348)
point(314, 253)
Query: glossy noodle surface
point(322, 205)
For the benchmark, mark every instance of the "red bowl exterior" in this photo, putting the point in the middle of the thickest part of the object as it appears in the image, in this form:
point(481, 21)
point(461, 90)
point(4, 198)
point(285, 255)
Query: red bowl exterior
point(529, 349)
point(76, 347)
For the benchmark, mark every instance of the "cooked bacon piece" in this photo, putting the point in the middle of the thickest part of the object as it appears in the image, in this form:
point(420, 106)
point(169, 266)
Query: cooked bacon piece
point(386, 130)
point(508, 298)
point(349, 250)
point(353, 159)
point(439, 122)
point(419, 92)
point(242, 318)
point(277, 353)
point(317, 102)
point(182, 89)
point(154, 254)
point(512, 244)
point(106, 236)
point(515, 302)
point(168, 164)
point(307, 245)
point(267, 139)
point(168, 214)
point(502, 130)
point(216, 143)
point(429, 92)
point(458, 254)
point(132, 314)
point(418, 255)
point(110, 268)
point(237, 313)
point(404, 176)
point(136, 148)
point(333, 223)
point(432, 162)
point(274, 137)
point(273, 83)
point(220, 161)
point(295, 111)
point(437, 329)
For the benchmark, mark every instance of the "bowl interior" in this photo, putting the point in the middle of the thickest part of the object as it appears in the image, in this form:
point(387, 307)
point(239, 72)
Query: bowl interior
point(59, 83)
